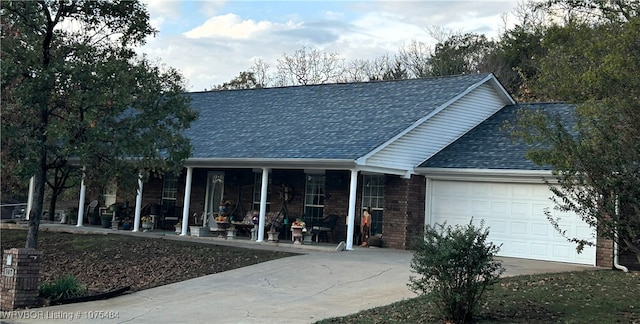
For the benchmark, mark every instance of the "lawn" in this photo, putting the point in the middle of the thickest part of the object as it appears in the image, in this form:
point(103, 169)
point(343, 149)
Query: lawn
point(599, 296)
point(106, 262)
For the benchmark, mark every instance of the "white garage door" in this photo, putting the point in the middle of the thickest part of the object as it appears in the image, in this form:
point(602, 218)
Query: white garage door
point(515, 216)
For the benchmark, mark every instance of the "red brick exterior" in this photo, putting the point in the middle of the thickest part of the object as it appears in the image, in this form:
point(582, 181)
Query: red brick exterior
point(20, 279)
point(403, 217)
point(604, 253)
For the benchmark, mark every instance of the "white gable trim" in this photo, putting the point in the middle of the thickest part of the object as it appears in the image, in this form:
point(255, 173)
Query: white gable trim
point(437, 130)
point(496, 85)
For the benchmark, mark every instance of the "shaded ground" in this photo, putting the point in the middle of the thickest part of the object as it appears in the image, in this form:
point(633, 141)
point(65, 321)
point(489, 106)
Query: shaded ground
point(602, 296)
point(107, 262)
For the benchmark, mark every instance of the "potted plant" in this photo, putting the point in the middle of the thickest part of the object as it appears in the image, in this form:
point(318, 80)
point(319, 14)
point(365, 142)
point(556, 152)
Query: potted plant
point(222, 222)
point(126, 223)
point(147, 223)
point(200, 230)
point(297, 229)
point(178, 228)
point(274, 223)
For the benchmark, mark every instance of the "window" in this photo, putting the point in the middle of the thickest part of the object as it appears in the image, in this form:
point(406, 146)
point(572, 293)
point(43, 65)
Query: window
point(257, 187)
point(109, 193)
point(373, 197)
point(314, 198)
point(169, 193)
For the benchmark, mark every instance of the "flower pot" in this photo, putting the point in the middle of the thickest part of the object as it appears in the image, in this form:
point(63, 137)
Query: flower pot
point(273, 236)
point(147, 226)
point(222, 228)
point(296, 234)
point(231, 233)
point(199, 231)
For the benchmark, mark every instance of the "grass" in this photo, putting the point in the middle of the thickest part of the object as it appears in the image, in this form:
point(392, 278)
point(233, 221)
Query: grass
point(105, 262)
point(600, 296)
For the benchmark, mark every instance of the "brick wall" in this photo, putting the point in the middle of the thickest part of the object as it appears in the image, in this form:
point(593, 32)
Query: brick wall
point(604, 253)
point(20, 278)
point(403, 219)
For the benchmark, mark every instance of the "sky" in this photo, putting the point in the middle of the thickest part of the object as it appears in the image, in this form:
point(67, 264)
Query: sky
point(211, 42)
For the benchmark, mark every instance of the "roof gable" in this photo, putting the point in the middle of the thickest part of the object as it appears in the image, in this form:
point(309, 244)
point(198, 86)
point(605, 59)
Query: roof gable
point(332, 121)
point(488, 146)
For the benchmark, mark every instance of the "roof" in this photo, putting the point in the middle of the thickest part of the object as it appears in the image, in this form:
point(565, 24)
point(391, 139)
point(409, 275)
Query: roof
point(488, 146)
point(331, 121)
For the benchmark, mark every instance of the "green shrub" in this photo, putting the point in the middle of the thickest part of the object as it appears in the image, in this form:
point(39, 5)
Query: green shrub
point(455, 266)
point(62, 288)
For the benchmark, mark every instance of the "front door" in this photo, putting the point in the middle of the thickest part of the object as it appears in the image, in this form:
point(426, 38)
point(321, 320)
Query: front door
point(373, 197)
point(215, 192)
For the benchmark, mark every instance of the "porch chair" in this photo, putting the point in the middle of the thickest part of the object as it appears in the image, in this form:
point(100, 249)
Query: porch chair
point(324, 227)
point(170, 217)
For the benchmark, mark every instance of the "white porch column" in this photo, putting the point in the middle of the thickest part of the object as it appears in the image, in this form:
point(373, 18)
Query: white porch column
point(30, 199)
point(138, 210)
point(352, 208)
point(83, 193)
point(187, 202)
point(263, 204)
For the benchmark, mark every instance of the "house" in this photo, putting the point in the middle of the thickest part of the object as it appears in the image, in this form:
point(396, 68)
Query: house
point(415, 152)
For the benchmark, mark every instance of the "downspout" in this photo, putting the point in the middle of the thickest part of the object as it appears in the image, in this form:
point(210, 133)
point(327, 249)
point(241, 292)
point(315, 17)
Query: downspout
point(615, 255)
point(615, 242)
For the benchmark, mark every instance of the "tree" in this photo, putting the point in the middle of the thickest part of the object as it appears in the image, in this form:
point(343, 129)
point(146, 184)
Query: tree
point(245, 80)
point(73, 89)
point(308, 66)
point(461, 54)
point(593, 63)
point(416, 57)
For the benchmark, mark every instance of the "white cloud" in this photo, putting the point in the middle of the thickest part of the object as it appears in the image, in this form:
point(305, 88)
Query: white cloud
point(232, 26)
point(161, 11)
point(214, 46)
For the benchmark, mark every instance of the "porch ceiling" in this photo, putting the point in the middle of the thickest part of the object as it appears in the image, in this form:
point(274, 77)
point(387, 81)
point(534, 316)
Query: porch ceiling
point(317, 164)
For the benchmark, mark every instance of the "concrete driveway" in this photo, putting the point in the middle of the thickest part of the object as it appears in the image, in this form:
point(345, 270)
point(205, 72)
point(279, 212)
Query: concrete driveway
point(299, 289)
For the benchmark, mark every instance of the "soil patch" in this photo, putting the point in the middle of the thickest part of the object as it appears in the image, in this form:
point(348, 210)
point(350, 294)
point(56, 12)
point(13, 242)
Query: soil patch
point(105, 263)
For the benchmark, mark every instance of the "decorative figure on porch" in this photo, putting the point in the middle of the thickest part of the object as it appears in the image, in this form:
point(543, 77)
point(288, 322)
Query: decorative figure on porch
point(286, 193)
point(365, 226)
point(224, 207)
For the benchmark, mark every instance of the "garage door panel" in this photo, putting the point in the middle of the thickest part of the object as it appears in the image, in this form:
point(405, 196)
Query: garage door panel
point(499, 207)
point(540, 230)
point(514, 214)
point(519, 228)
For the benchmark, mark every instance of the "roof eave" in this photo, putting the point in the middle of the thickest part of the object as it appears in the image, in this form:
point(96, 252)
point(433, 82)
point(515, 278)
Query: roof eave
point(272, 163)
point(516, 175)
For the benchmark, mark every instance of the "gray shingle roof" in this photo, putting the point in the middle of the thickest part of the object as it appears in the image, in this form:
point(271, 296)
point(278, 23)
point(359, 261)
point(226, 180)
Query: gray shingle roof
point(332, 121)
point(488, 146)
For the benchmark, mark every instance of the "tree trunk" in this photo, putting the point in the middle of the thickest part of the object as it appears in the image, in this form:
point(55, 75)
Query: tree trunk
point(52, 208)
